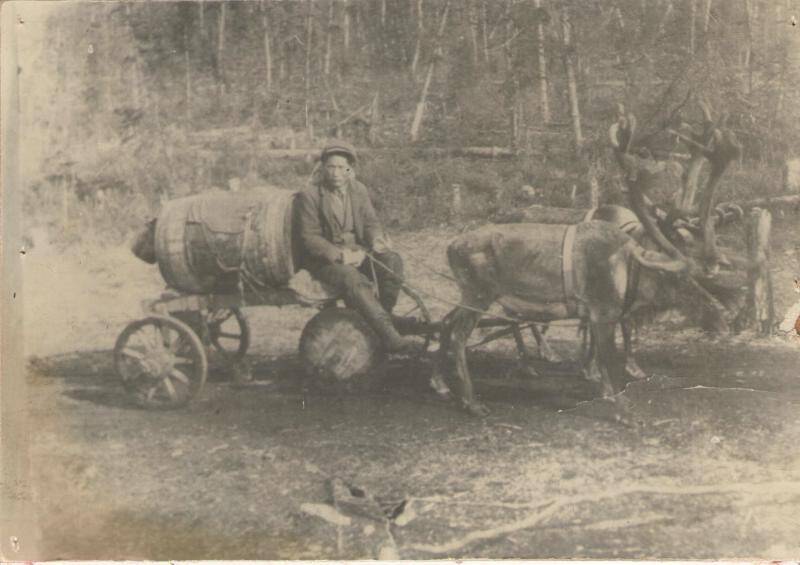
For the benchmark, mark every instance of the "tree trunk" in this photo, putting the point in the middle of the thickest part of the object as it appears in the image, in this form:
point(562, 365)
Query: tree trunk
point(307, 77)
point(420, 34)
point(692, 15)
point(507, 52)
point(420, 111)
point(267, 46)
point(761, 308)
point(662, 24)
point(515, 117)
point(326, 67)
point(706, 19)
point(473, 31)
point(283, 67)
point(594, 187)
point(620, 17)
point(544, 99)
point(572, 88)
point(137, 83)
point(201, 7)
point(484, 33)
point(188, 73)
point(221, 49)
point(346, 27)
point(421, 104)
point(748, 10)
point(375, 116)
point(358, 25)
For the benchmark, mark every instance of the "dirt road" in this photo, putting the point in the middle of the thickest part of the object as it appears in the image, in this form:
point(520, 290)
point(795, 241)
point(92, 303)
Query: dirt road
point(708, 467)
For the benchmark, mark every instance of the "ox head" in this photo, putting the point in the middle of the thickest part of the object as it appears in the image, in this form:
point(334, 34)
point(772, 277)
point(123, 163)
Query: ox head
point(691, 242)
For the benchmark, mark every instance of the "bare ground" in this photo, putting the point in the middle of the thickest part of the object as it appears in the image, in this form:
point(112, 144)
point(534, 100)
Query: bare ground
point(707, 467)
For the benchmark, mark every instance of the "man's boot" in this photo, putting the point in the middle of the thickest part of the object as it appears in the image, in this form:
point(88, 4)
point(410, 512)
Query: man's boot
point(362, 299)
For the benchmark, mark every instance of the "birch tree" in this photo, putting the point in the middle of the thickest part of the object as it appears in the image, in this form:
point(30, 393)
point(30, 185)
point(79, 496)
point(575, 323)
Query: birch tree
point(544, 98)
point(420, 111)
point(569, 66)
point(265, 23)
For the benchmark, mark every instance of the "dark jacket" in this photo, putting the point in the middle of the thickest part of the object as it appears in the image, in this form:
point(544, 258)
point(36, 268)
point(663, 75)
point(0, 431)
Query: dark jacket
point(317, 227)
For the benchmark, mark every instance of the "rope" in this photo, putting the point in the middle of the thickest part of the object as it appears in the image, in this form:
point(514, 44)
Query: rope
point(423, 264)
point(375, 286)
point(460, 305)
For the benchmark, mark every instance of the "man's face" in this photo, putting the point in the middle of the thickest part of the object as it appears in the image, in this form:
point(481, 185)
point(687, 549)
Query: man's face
point(337, 171)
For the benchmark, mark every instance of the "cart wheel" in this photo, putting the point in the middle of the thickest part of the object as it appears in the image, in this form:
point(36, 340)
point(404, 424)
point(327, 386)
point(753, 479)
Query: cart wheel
point(161, 361)
point(229, 332)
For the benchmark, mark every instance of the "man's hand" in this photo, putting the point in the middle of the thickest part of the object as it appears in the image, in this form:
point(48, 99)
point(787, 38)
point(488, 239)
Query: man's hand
point(381, 244)
point(353, 257)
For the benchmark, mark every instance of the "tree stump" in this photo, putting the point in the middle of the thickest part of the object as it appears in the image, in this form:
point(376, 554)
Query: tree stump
point(760, 306)
point(339, 348)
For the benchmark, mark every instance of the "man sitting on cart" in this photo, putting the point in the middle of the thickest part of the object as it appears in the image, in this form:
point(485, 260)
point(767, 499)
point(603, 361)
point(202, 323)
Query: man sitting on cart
point(338, 227)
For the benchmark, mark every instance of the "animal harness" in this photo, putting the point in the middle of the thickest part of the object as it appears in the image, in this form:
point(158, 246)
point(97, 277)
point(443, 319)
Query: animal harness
point(627, 227)
point(568, 271)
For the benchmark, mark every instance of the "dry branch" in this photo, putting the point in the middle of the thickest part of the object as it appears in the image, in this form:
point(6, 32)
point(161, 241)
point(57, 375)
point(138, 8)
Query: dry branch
point(784, 201)
point(550, 508)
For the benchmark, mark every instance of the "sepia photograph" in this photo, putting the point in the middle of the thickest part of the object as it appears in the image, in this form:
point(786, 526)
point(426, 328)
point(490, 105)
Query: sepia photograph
point(400, 280)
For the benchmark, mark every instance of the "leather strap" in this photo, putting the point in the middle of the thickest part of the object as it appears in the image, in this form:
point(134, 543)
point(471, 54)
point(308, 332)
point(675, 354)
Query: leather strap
point(589, 215)
point(567, 269)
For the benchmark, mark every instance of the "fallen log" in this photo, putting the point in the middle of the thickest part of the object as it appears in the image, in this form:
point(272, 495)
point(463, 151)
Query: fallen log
point(266, 151)
point(772, 202)
point(481, 152)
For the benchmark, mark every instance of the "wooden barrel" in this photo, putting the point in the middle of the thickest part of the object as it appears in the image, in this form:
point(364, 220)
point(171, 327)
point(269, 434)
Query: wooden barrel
point(268, 250)
point(339, 348)
point(171, 248)
point(204, 241)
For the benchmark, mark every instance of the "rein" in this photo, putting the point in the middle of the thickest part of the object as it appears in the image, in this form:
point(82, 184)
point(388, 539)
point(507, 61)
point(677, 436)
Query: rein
point(458, 304)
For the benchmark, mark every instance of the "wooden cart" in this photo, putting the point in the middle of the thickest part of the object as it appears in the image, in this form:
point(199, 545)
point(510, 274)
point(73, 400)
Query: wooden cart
point(163, 358)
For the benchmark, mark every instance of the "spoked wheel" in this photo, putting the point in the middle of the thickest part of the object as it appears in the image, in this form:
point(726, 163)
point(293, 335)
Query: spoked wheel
point(420, 306)
point(161, 361)
point(229, 332)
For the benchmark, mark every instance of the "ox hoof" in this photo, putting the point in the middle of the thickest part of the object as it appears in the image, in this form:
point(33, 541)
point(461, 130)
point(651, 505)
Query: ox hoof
point(592, 374)
point(476, 408)
point(552, 357)
point(440, 387)
point(623, 403)
point(635, 371)
point(528, 370)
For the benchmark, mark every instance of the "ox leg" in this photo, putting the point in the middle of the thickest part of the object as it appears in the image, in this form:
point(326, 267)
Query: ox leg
point(545, 351)
point(438, 380)
point(588, 354)
point(464, 322)
point(632, 368)
point(604, 352)
point(586, 343)
point(524, 355)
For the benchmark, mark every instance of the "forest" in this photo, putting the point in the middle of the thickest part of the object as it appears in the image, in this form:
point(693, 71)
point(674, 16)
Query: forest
point(127, 104)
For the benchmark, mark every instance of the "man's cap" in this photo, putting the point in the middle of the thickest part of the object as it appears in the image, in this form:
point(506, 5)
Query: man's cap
point(339, 147)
